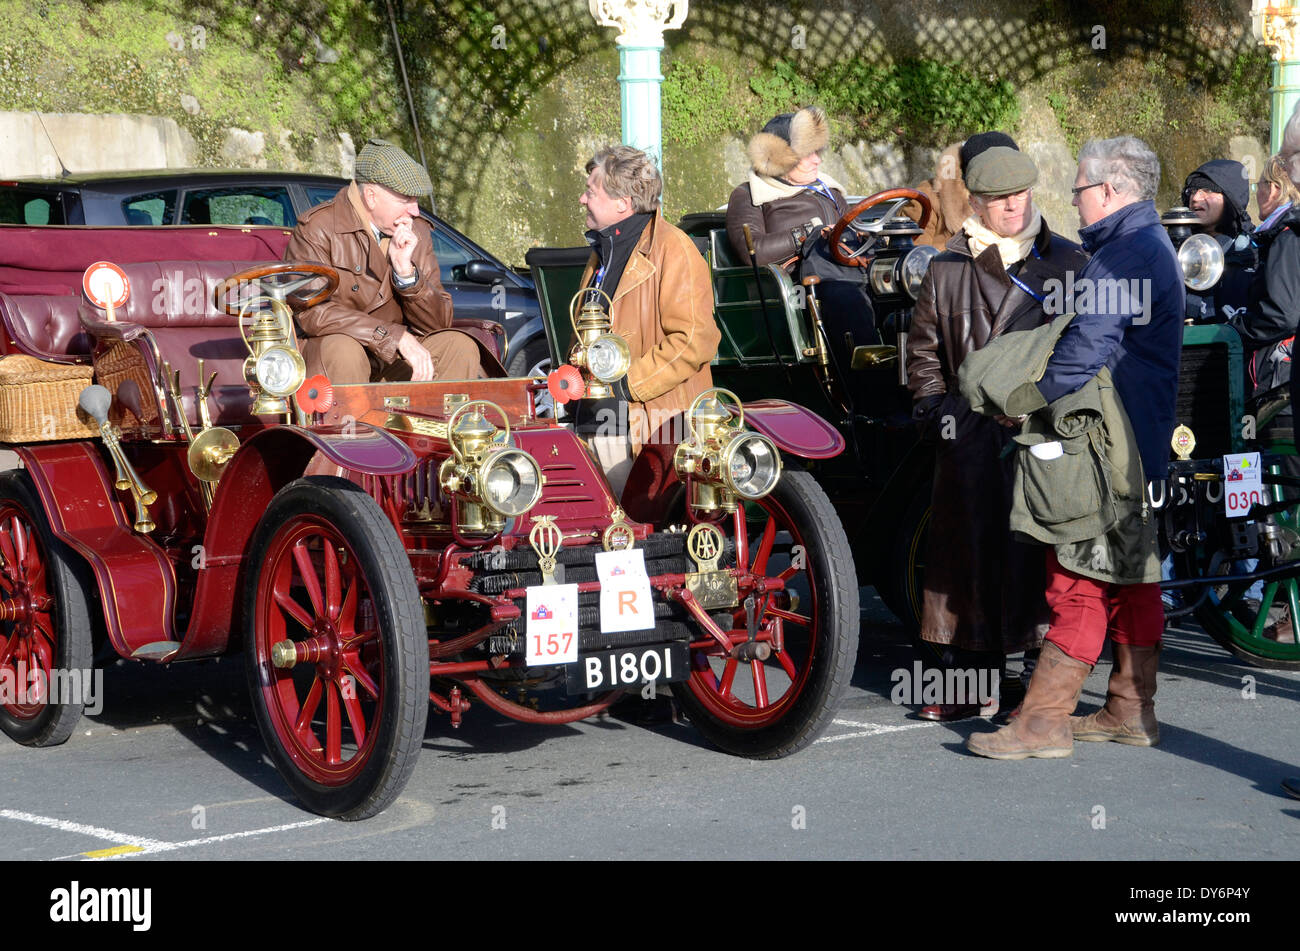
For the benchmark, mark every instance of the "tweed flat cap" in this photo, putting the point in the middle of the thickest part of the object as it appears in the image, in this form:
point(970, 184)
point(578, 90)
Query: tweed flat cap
point(384, 163)
point(1000, 171)
point(982, 142)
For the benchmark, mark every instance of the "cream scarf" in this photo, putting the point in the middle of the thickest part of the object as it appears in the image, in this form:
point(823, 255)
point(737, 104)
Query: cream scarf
point(1013, 249)
point(763, 189)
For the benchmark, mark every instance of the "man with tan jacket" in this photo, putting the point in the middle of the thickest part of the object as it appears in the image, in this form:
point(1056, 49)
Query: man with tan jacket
point(390, 317)
point(662, 305)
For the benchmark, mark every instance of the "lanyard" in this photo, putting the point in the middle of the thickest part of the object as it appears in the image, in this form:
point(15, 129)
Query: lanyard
point(1025, 287)
point(820, 188)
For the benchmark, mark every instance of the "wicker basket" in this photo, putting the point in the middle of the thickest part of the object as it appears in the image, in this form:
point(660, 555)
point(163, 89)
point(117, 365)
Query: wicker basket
point(38, 400)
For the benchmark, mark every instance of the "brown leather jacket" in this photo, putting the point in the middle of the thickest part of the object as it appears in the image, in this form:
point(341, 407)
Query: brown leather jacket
point(366, 305)
point(663, 306)
point(773, 222)
point(983, 590)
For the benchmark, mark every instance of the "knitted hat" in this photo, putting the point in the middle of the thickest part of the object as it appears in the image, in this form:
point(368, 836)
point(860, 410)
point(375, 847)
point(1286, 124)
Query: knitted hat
point(1000, 171)
point(787, 140)
point(383, 163)
point(980, 142)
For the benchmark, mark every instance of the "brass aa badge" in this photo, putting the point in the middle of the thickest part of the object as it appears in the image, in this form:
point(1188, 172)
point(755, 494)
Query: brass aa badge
point(546, 539)
point(1183, 442)
point(619, 535)
point(712, 588)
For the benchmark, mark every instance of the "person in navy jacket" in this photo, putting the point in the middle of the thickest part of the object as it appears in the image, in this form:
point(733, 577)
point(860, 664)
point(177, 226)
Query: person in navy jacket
point(1129, 301)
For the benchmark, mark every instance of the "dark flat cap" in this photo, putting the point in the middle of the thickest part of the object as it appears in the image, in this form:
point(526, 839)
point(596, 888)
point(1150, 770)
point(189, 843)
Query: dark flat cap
point(980, 142)
point(384, 163)
point(1000, 171)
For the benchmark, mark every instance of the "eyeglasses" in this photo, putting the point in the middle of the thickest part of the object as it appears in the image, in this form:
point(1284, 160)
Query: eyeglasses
point(1083, 188)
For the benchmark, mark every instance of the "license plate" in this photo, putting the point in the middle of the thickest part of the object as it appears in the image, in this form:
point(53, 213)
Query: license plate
point(627, 667)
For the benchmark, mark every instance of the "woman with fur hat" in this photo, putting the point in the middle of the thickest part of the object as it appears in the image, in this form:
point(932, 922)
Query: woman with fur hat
point(788, 203)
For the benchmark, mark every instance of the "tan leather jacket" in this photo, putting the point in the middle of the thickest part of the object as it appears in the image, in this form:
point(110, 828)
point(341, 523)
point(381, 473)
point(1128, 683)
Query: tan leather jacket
point(663, 306)
point(366, 305)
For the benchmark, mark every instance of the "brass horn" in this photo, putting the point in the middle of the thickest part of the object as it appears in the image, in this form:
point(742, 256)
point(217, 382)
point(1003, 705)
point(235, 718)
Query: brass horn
point(95, 400)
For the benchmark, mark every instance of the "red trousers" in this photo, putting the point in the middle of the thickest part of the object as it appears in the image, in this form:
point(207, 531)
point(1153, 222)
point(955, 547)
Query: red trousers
point(1084, 611)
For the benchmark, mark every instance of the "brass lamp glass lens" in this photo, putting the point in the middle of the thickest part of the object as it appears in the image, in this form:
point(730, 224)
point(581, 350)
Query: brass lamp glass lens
point(1201, 259)
point(512, 483)
point(608, 358)
point(280, 371)
point(752, 466)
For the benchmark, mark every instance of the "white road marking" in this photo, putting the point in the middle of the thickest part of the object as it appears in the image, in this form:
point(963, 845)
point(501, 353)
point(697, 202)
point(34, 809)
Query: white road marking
point(869, 729)
point(140, 845)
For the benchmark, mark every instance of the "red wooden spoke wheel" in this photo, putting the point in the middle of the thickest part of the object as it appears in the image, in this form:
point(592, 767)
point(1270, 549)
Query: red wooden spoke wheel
point(337, 654)
point(45, 626)
point(767, 708)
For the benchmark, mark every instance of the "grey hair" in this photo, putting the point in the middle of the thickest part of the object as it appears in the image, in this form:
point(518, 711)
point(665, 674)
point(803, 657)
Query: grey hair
point(1126, 162)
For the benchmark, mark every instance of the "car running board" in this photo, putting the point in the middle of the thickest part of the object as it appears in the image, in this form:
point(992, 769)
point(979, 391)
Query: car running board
point(158, 652)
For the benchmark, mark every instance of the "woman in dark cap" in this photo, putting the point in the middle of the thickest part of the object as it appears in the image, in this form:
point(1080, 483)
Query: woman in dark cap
point(1218, 194)
point(787, 203)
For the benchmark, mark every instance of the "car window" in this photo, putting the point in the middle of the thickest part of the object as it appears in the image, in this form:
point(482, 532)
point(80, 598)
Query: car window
point(317, 195)
point(242, 205)
point(452, 256)
point(152, 208)
point(20, 207)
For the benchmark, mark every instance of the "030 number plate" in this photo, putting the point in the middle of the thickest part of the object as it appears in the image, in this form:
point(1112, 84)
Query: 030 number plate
point(627, 667)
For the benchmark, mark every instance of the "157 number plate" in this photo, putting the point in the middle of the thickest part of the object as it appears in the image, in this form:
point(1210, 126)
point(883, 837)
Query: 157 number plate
point(627, 667)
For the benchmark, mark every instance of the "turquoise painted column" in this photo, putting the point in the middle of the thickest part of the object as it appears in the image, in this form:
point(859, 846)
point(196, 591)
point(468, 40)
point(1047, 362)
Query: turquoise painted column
point(641, 25)
point(639, 80)
point(1285, 90)
point(1276, 24)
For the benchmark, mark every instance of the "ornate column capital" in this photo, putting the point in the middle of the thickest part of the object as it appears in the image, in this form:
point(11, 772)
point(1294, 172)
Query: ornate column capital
point(1275, 24)
point(640, 22)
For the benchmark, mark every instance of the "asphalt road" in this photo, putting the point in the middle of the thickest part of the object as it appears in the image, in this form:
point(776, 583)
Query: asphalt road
point(173, 768)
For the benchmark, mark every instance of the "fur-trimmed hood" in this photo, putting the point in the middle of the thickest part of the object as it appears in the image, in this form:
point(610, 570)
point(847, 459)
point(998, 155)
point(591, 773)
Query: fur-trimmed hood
point(787, 139)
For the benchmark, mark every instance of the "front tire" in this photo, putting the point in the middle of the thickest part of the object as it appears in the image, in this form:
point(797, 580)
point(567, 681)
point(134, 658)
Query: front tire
point(329, 575)
point(47, 591)
point(791, 697)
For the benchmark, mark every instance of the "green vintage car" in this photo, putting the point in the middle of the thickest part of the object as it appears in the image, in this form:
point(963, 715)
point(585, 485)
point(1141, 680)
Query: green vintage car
point(880, 486)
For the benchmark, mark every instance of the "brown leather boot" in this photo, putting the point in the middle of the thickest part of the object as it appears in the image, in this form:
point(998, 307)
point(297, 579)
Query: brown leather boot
point(1043, 726)
point(1129, 715)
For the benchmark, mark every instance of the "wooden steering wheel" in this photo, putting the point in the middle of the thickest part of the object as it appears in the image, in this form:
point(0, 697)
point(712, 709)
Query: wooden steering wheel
point(284, 282)
point(842, 253)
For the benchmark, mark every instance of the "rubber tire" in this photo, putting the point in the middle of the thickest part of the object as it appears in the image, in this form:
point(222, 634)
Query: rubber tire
point(831, 563)
point(534, 354)
point(400, 615)
point(70, 585)
point(1212, 618)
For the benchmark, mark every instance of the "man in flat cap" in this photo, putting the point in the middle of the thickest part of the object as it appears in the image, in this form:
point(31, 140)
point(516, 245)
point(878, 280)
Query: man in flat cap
point(390, 317)
point(1129, 318)
point(983, 595)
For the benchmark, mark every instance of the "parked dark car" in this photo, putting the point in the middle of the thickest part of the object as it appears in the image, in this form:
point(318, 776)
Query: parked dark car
point(169, 197)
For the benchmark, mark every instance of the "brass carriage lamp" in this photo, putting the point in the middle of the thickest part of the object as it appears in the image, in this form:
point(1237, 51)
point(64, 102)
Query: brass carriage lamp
point(602, 355)
point(725, 461)
point(1199, 255)
point(491, 480)
point(274, 368)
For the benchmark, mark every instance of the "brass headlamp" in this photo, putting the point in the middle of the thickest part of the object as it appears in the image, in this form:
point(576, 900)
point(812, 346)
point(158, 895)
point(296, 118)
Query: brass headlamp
point(601, 355)
point(274, 368)
point(491, 480)
point(724, 460)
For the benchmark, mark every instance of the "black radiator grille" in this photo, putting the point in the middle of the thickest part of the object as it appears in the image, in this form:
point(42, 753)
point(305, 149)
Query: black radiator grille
point(1204, 402)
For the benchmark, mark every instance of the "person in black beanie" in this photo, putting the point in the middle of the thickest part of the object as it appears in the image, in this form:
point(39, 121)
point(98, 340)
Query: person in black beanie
point(1218, 193)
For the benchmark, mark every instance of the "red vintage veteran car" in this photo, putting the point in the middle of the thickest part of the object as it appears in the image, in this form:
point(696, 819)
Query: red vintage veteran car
point(184, 493)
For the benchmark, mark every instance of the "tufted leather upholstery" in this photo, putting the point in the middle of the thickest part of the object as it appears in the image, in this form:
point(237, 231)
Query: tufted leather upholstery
point(46, 326)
